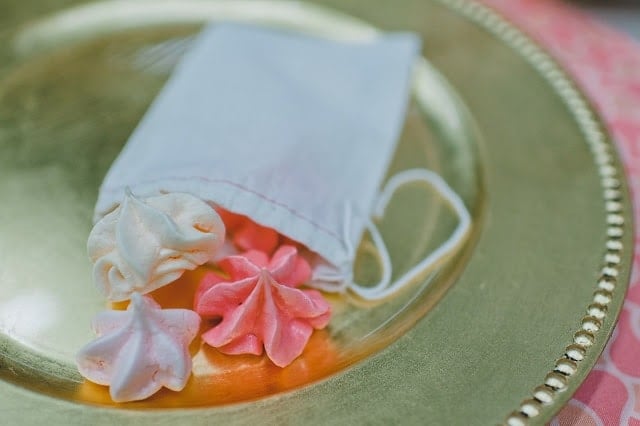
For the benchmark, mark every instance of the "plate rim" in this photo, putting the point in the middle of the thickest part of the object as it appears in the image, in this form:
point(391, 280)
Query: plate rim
point(589, 339)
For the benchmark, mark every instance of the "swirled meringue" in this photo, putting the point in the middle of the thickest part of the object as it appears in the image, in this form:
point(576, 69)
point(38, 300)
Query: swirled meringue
point(140, 350)
point(260, 305)
point(248, 235)
point(145, 244)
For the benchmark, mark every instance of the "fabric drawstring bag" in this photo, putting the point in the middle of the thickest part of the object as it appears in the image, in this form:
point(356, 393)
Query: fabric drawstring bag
point(294, 132)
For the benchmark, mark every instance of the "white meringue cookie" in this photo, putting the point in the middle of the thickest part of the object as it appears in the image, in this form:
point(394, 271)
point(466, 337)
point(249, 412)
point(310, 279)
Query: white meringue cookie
point(140, 350)
point(145, 244)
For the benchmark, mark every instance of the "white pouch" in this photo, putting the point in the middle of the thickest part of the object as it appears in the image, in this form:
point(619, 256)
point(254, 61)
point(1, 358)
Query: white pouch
point(293, 131)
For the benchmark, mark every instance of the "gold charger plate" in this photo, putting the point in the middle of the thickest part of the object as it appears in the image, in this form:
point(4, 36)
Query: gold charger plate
point(512, 323)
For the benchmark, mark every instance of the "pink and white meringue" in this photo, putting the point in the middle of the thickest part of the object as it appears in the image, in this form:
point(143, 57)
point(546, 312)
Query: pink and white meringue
point(145, 244)
point(260, 305)
point(140, 350)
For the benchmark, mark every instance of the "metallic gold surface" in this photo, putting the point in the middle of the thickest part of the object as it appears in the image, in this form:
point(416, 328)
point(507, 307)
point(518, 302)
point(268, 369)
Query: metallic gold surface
point(72, 87)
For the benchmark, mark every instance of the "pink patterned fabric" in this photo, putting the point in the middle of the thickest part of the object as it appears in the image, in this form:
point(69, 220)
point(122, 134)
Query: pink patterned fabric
point(606, 64)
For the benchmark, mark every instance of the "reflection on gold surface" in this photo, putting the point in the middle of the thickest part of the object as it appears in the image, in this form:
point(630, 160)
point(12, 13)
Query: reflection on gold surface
point(27, 316)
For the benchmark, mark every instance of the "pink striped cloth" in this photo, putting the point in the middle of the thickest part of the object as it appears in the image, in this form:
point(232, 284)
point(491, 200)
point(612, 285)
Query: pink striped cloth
point(606, 64)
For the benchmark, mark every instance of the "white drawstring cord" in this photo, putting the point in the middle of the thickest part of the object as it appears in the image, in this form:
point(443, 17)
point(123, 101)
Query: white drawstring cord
point(384, 287)
point(370, 292)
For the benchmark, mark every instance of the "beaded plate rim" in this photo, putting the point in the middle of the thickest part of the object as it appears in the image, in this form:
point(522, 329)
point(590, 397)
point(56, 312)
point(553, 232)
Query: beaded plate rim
point(588, 340)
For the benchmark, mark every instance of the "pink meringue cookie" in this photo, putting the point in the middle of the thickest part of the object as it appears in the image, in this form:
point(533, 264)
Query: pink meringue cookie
point(140, 350)
point(248, 235)
point(261, 307)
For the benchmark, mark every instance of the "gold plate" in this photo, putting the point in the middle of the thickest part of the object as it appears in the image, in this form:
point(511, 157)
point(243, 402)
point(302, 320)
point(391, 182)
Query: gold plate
point(510, 325)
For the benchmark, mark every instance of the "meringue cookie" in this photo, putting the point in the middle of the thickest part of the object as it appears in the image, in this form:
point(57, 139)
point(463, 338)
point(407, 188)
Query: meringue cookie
point(248, 235)
point(145, 244)
point(140, 350)
point(260, 305)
